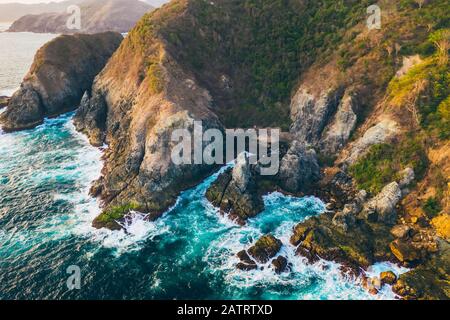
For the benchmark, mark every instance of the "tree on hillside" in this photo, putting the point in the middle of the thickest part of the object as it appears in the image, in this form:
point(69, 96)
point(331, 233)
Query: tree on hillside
point(441, 40)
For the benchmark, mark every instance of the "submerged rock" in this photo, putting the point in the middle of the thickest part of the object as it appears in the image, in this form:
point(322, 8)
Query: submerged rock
point(62, 71)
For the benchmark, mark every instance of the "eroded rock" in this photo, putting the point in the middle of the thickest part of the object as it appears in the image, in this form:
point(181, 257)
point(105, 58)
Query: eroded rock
point(63, 69)
point(383, 206)
point(388, 277)
point(337, 134)
point(265, 248)
point(3, 101)
point(310, 114)
point(235, 191)
point(299, 168)
point(280, 264)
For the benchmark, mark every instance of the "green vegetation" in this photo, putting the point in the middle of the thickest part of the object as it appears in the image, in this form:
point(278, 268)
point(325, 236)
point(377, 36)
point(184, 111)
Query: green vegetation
point(262, 46)
point(432, 207)
point(155, 78)
point(116, 213)
point(425, 91)
point(384, 161)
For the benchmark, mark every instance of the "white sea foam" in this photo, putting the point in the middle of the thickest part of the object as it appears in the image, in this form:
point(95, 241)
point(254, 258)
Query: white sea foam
point(136, 229)
point(322, 280)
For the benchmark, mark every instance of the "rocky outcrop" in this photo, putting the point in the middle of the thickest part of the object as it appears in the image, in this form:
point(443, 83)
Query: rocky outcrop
point(3, 101)
point(379, 133)
point(383, 206)
point(140, 99)
point(430, 280)
point(62, 71)
point(346, 218)
point(91, 118)
point(299, 168)
point(338, 132)
point(96, 16)
point(356, 247)
point(310, 114)
point(280, 264)
point(388, 277)
point(235, 191)
point(266, 248)
point(359, 234)
point(412, 245)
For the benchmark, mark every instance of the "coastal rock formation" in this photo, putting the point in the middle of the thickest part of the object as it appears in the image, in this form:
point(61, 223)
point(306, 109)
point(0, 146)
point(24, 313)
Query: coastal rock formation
point(337, 134)
point(96, 16)
point(357, 247)
point(429, 281)
point(382, 207)
point(266, 248)
point(235, 191)
point(3, 101)
point(310, 114)
point(388, 277)
point(195, 60)
point(299, 168)
point(280, 264)
point(62, 71)
point(11, 10)
point(380, 133)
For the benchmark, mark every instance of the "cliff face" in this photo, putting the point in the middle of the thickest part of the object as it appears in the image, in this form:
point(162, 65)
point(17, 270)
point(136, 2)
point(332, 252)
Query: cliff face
point(350, 102)
point(62, 71)
point(96, 16)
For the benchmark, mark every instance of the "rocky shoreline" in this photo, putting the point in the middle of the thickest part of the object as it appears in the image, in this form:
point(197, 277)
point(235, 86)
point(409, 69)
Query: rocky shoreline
point(4, 101)
point(61, 72)
point(339, 118)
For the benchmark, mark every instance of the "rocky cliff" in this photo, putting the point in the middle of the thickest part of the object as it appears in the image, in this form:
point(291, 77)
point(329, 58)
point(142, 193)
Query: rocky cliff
point(96, 16)
point(62, 71)
point(366, 126)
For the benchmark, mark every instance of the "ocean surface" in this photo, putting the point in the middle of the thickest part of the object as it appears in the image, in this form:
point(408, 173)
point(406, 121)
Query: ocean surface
point(190, 253)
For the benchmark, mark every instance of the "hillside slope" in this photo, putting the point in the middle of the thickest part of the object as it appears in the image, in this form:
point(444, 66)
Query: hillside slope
point(370, 106)
point(96, 16)
point(62, 70)
point(343, 90)
point(12, 11)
